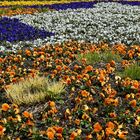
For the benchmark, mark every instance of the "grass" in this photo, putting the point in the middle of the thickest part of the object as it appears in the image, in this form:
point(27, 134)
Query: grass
point(15, 7)
point(132, 71)
point(44, 10)
point(34, 90)
point(2, 11)
point(95, 57)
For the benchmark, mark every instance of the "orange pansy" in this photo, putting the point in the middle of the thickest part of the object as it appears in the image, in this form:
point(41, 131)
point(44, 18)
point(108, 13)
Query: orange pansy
point(88, 83)
point(85, 116)
point(125, 62)
point(112, 63)
point(12, 73)
point(59, 136)
point(109, 131)
point(7, 86)
point(127, 96)
point(27, 114)
point(16, 59)
point(14, 80)
point(79, 77)
point(76, 67)
point(84, 60)
point(110, 125)
point(121, 48)
point(101, 78)
point(41, 53)
point(135, 84)
point(99, 136)
point(2, 129)
point(108, 101)
point(29, 122)
point(86, 76)
point(50, 135)
point(97, 127)
point(59, 68)
point(115, 102)
point(58, 129)
point(68, 80)
point(89, 137)
point(52, 104)
point(2, 81)
point(77, 121)
point(122, 135)
point(131, 53)
point(27, 52)
point(137, 96)
point(84, 93)
point(52, 111)
point(89, 68)
point(54, 72)
point(133, 103)
point(73, 135)
point(112, 115)
point(1, 60)
point(5, 107)
point(138, 111)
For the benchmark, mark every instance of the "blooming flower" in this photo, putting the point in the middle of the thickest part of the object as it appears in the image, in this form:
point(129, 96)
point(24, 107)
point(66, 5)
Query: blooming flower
point(27, 114)
point(5, 107)
point(97, 127)
point(2, 129)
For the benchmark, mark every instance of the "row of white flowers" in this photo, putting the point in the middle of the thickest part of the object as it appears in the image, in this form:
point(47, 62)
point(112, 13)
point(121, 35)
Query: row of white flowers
point(112, 22)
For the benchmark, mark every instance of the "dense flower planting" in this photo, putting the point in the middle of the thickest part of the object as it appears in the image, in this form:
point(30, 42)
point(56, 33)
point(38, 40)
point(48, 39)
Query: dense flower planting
point(4, 3)
point(101, 99)
point(17, 10)
point(98, 104)
point(111, 22)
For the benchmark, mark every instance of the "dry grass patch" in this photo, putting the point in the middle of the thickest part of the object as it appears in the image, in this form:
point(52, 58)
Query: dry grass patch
point(34, 90)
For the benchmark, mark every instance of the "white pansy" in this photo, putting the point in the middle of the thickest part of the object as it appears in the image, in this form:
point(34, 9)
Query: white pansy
point(109, 21)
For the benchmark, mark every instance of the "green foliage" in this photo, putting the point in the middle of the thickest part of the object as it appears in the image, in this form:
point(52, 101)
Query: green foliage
point(16, 7)
point(2, 12)
point(132, 71)
point(95, 57)
point(44, 10)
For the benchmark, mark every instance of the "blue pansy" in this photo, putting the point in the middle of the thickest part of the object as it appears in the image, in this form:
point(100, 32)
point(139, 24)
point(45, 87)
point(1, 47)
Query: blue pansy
point(13, 30)
point(75, 5)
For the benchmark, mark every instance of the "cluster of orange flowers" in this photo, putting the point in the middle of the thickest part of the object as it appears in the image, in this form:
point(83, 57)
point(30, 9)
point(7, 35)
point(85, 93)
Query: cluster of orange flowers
point(97, 99)
point(18, 11)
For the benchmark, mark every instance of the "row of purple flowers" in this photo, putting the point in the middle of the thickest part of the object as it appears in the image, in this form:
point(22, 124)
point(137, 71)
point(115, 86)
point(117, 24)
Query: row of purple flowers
point(75, 5)
point(13, 30)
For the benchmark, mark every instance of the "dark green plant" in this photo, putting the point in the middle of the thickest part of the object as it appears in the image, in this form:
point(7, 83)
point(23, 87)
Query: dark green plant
point(16, 7)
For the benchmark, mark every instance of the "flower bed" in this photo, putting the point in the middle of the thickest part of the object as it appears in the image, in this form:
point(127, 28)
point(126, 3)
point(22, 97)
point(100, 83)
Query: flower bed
point(17, 10)
point(98, 103)
point(111, 22)
point(82, 82)
point(5, 3)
